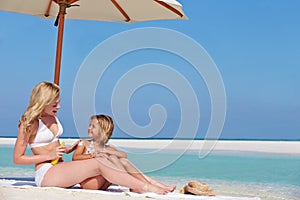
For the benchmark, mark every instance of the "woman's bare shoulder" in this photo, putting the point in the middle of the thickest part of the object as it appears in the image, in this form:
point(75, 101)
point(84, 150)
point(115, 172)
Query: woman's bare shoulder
point(34, 126)
point(32, 130)
point(27, 135)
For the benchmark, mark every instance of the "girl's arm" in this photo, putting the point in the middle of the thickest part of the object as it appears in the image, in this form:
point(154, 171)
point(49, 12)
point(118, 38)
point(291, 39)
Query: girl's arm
point(20, 148)
point(72, 148)
point(113, 151)
point(80, 155)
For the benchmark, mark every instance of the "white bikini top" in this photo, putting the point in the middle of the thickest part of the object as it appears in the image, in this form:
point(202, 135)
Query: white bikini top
point(44, 136)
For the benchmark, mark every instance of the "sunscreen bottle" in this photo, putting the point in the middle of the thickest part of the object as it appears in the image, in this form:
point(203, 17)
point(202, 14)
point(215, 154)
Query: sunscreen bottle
point(55, 161)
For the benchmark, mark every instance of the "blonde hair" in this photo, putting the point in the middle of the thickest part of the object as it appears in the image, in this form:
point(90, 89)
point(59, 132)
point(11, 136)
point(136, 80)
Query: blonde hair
point(106, 124)
point(42, 94)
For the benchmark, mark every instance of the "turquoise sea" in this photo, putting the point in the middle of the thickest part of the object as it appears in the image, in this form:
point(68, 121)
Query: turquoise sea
point(268, 176)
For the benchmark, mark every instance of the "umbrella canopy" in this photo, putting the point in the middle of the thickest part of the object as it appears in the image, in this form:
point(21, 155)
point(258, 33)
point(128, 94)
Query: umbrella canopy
point(99, 10)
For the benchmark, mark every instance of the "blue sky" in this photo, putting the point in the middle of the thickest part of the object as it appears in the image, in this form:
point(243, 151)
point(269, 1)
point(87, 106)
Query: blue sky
point(255, 45)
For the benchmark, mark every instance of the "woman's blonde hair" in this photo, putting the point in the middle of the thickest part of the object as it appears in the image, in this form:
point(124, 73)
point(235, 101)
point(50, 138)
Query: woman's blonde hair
point(42, 94)
point(106, 124)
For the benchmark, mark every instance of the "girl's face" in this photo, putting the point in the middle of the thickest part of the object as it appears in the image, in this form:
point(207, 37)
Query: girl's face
point(53, 107)
point(94, 129)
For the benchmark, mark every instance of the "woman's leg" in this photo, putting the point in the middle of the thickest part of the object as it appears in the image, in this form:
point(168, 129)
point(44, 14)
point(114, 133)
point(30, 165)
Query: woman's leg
point(133, 170)
point(122, 166)
point(70, 173)
point(127, 166)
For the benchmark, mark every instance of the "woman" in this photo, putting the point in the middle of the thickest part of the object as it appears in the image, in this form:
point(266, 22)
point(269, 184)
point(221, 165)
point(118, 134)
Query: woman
point(40, 128)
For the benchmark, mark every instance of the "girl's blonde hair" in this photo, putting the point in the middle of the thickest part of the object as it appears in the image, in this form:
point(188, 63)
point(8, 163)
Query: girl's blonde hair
point(42, 94)
point(106, 124)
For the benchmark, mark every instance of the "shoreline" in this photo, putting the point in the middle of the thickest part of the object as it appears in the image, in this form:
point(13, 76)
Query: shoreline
point(225, 189)
point(274, 147)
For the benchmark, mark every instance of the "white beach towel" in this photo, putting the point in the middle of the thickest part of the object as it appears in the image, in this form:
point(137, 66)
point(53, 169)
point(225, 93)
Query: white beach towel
point(178, 196)
point(116, 190)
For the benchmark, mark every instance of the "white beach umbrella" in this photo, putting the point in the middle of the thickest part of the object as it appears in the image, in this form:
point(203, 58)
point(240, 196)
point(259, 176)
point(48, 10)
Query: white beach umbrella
point(99, 10)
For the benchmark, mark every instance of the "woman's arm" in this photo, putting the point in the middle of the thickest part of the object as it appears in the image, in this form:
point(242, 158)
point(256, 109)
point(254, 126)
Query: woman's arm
point(80, 155)
point(20, 148)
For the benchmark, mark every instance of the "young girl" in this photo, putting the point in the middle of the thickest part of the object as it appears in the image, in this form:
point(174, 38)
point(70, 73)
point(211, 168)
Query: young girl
point(100, 131)
point(40, 128)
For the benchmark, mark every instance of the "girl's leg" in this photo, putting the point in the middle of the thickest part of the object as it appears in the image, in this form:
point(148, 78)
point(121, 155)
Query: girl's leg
point(105, 185)
point(95, 183)
point(70, 173)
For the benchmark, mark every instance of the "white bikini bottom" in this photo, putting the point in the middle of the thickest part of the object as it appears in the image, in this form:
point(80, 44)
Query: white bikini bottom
point(40, 173)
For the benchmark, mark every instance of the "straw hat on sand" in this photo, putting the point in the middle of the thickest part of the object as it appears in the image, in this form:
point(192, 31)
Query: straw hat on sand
point(197, 188)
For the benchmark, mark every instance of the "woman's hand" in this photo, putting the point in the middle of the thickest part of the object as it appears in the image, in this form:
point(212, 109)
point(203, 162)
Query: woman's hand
point(57, 152)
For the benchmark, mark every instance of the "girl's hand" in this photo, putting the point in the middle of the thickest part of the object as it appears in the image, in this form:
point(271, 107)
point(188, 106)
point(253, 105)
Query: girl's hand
point(113, 151)
point(100, 154)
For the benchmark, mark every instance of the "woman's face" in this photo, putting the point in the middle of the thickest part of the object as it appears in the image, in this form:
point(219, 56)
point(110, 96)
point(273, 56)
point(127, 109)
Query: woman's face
point(94, 129)
point(52, 108)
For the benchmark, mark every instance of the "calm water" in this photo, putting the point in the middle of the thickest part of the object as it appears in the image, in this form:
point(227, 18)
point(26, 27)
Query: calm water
point(267, 176)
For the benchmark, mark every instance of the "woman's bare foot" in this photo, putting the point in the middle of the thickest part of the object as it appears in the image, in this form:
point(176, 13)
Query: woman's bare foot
point(158, 184)
point(155, 189)
point(168, 188)
point(150, 188)
point(171, 188)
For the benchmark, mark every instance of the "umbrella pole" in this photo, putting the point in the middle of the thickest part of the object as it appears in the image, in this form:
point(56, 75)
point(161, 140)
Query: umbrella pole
point(62, 12)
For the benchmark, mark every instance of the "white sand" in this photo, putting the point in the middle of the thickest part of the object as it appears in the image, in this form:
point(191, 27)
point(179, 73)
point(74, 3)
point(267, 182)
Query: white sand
point(10, 192)
point(32, 193)
point(278, 147)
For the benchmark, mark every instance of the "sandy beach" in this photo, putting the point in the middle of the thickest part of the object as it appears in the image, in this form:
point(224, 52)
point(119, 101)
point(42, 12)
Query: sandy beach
point(14, 190)
point(18, 189)
point(32, 193)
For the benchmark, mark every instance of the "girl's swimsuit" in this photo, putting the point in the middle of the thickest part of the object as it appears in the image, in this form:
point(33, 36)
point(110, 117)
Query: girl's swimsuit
point(44, 137)
point(90, 148)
